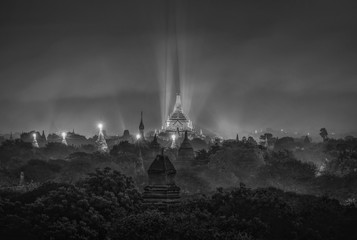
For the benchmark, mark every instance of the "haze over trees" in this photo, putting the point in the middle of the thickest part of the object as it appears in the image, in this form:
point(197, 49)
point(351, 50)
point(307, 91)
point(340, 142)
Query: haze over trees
point(234, 190)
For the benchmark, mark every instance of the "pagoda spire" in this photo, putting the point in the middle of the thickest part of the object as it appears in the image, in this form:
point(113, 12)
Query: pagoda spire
point(178, 104)
point(43, 135)
point(101, 142)
point(34, 140)
point(64, 141)
point(141, 127)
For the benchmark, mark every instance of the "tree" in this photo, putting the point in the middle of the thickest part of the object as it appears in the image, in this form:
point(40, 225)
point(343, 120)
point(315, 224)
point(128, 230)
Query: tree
point(324, 134)
point(286, 143)
point(106, 180)
point(202, 157)
point(123, 147)
point(252, 141)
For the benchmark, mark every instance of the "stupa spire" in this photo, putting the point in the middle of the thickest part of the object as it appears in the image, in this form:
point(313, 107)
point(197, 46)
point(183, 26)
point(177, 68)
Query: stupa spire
point(141, 127)
point(101, 143)
point(34, 140)
point(178, 104)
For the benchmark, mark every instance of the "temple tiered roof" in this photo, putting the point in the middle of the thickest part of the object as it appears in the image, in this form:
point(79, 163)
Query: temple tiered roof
point(162, 190)
point(186, 154)
point(178, 120)
point(161, 165)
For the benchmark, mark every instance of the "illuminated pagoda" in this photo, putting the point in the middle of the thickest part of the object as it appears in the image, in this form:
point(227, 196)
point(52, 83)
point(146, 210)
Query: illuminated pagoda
point(34, 140)
point(162, 190)
point(178, 120)
point(64, 141)
point(101, 142)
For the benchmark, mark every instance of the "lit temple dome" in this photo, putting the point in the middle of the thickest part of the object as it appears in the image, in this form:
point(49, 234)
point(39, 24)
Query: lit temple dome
point(178, 120)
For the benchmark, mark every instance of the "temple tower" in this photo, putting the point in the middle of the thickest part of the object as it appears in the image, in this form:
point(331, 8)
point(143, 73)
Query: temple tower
point(101, 142)
point(178, 120)
point(141, 127)
point(34, 140)
point(162, 190)
point(43, 136)
point(155, 146)
point(186, 154)
point(64, 141)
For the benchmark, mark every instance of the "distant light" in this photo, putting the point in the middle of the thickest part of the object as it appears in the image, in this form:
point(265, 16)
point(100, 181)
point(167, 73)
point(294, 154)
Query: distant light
point(64, 135)
point(308, 134)
point(138, 136)
point(34, 135)
point(100, 126)
point(282, 130)
point(255, 131)
point(173, 137)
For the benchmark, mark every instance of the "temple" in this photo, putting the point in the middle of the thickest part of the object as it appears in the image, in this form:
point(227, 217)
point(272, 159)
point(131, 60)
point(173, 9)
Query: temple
point(141, 127)
point(101, 142)
point(186, 154)
point(162, 190)
point(178, 120)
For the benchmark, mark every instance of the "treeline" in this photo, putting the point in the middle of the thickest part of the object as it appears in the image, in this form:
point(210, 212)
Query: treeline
point(107, 205)
point(291, 167)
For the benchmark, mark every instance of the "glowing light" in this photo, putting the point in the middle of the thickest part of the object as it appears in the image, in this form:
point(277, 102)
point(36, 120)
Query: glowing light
point(64, 138)
point(282, 130)
point(34, 142)
point(138, 136)
point(100, 126)
point(173, 137)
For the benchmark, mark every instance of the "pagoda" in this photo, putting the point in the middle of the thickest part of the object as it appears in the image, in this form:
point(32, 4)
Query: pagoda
point(162, 190)
point(178, 120)
point(186, 153)
point(155, 146)
point(141, 127)
point(101, 142)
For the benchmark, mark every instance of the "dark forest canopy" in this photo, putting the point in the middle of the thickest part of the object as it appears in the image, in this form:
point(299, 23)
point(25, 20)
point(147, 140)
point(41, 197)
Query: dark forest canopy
point(286, 189)
point(95, 208)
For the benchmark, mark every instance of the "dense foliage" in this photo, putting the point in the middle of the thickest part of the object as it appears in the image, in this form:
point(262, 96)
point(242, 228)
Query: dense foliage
point(77, 193)
point(106, 205)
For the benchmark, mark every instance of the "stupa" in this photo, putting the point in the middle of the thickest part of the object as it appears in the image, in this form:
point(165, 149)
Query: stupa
point(162, 190)
point(178, 120)
point(186, 153)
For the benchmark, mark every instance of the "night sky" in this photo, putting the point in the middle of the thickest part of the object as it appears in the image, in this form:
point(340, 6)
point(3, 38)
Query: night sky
point(242, 65)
